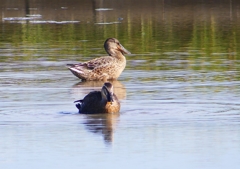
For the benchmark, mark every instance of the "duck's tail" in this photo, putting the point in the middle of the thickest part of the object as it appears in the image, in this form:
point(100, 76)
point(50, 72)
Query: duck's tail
point(77, 70)
point(79, 104)
point(78, 101)
point(73, 65)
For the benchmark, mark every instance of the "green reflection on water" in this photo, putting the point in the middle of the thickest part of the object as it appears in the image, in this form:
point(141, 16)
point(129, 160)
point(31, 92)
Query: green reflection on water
point(163, 42)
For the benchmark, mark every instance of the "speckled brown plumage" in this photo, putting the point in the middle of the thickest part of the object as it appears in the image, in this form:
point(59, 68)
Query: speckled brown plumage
point(105, 67)
point(104, 101)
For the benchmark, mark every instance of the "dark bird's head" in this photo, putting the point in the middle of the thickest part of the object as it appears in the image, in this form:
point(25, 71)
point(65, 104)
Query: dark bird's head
point(107, 92)
point(113, 46)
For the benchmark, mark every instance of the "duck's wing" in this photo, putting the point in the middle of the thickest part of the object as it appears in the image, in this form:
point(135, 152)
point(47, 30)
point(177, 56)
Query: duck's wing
point(88, 101)
point(92, 64)
point(96, 69)
point(99, 62)
point(92, 103)
point(79, 66)
point(92, 98)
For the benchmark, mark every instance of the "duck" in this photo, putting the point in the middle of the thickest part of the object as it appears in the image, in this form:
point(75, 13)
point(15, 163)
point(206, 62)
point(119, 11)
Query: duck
point(104, 101)
point(103, 68)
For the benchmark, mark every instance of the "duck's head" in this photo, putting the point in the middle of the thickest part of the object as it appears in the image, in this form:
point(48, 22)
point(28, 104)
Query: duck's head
point(113, 47)
point(107, 92)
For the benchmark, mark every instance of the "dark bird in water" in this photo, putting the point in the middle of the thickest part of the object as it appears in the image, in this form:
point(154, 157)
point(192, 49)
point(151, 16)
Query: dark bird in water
point(105, 67)
point(104, 101)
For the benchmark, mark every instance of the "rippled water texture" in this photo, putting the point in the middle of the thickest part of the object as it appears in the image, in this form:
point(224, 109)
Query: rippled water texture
point(179, 92)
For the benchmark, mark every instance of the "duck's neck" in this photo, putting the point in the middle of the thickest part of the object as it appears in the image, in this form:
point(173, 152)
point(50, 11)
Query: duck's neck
point(117, 54)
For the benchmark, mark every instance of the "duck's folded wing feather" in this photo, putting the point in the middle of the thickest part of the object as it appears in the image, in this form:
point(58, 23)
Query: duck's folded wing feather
point(92, 64)
point(92, 97)
point(105, 60)
point(79, 66)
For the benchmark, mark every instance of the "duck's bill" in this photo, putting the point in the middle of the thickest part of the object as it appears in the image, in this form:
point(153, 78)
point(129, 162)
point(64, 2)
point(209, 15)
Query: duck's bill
point(123, 50)
point(110, 98)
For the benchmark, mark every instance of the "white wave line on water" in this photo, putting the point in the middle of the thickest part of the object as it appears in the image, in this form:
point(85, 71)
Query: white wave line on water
point(106, 23)
point(104, 9)
point(32, 88)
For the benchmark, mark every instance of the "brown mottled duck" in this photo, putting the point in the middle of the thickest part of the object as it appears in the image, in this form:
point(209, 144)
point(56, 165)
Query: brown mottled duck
point(104, 101)
point(105, 67)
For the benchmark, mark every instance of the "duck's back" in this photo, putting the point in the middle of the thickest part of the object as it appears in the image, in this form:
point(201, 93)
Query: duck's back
point(92, 103)
point(108, 66)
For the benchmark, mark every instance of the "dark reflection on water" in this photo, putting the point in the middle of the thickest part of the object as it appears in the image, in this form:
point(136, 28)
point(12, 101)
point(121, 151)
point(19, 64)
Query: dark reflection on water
point(179, 92)
point(103, 124)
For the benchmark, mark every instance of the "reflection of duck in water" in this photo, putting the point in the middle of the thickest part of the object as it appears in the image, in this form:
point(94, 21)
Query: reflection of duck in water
point(104, 101)
point(83, 88)
point(103, 68)
point(103, 124)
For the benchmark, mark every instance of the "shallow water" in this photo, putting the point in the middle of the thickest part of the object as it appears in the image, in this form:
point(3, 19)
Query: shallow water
point(179, 92)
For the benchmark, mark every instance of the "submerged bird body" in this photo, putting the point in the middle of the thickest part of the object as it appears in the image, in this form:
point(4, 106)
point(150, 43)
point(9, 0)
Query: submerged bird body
point(104, 101)
point(103, 68)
